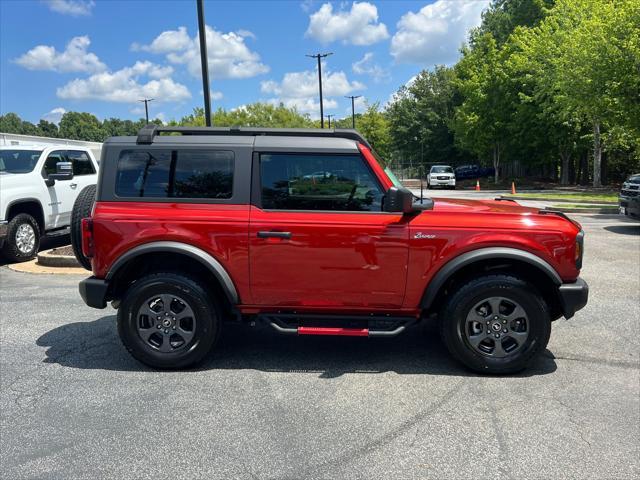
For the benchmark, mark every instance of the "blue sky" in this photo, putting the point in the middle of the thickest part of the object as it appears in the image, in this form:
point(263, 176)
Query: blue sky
point(102, 56)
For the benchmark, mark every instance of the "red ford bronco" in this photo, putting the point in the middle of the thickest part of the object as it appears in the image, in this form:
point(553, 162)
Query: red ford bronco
point(304, 230)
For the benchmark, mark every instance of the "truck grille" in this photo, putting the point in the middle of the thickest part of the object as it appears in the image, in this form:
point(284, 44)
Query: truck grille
point(443, 178)
point(629, 193)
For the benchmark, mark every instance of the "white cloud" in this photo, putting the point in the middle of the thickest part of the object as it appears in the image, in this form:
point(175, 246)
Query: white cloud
point(358, 26)
point(300, 89)
point(434, 34)
point(75, 8)
point(366, 66)
point(54, 115)
point(214, 94)
point(228, 54)
point(75, 58)
point(125, 85)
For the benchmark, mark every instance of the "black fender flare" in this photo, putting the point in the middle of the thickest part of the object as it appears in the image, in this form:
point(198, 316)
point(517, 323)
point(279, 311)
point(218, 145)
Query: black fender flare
point(488, 253)
point(204, 258)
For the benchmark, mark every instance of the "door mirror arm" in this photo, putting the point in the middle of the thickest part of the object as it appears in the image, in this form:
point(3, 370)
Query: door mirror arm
point(400, 200)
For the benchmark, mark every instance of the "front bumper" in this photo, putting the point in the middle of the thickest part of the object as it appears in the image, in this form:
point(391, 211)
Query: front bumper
point(445, 183)
point(629, 206)
point(4, 227)
point(94, 292)
point(573, 297)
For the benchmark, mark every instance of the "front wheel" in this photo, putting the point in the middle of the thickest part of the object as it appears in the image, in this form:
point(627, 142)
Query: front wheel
point(23, 238)
point(495, 324)
point(168, 321)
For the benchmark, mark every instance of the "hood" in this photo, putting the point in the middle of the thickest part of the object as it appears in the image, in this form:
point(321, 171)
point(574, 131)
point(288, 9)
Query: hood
point(459, 205)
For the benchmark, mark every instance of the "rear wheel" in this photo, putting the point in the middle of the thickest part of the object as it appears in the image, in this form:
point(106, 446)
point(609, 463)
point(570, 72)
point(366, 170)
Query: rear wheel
point(81, 209)
point(23, 238)
point(168, 321)
point(495, 324)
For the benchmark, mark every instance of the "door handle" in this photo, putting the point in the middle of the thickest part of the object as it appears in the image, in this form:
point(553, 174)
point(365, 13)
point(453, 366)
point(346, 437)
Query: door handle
point(73, 185)
point(285, 235)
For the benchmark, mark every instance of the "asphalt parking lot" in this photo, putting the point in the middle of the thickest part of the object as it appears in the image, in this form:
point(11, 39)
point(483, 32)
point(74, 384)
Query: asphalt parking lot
point(75, 405)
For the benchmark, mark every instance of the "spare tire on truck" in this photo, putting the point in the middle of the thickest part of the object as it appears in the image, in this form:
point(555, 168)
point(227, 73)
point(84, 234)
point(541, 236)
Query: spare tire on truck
point(81, 209)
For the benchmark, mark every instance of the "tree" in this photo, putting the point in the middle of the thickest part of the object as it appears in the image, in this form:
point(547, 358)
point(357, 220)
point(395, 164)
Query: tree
point(504, 16)
point(252, 115)
point(375, 128)
point(586, 54)
point(481, 123)
point(81, 126)
point(47, 129)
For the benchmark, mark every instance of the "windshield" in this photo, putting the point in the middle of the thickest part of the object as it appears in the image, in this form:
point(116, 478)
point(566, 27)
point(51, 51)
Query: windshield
point(441, 170)
point(18, 161)
point(634, 179)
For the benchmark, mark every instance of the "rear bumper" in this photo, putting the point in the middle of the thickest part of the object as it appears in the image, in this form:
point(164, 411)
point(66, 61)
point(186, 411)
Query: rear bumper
point(94, 292)
point(573, 297)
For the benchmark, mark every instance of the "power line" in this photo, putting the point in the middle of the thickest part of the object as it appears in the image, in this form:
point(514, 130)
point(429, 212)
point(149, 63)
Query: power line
point(353, 109)
point(320, 56)
point(146, 107)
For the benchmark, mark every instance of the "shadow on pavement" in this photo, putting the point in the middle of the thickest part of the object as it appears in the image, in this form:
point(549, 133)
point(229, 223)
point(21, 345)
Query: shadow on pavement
point(95, 345)
point(624, 229)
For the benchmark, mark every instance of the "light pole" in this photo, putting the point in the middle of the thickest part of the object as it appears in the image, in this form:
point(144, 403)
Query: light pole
point(329, 117)
point(146, 107)
point(353, 109)
point(205, 64)
point(319, 56)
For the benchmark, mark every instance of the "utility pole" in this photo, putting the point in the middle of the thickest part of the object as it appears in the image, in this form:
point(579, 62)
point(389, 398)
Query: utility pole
point(146, 107)
point(319, 56)
point(205, 64)
point(329, 117)
point(353, 109)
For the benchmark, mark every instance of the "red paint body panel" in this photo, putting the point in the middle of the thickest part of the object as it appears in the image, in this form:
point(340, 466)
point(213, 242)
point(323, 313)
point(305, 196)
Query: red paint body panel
point(334, 262)
point(220, 230)
point(337, 260)
point(340, 332)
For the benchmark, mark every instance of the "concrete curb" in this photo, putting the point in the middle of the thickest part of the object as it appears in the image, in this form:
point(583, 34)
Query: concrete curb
point(33, 267)
point(47, 258)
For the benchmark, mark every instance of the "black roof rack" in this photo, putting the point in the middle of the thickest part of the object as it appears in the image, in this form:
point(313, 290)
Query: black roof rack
point(148, 132)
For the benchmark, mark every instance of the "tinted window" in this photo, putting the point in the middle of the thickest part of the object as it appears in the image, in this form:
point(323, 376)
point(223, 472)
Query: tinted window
point(318, 182)
point(50, 163)
point(18, 161)
point(175, 174)
point(81, 163)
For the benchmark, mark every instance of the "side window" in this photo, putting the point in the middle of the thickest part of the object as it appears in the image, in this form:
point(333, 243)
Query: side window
point(50, 163)
point(81, 162)
point(318, 182)
point(175, 174)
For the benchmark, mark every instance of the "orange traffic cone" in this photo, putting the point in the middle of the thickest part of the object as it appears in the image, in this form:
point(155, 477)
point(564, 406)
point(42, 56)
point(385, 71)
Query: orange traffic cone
point(477, 185)
point(513, 188)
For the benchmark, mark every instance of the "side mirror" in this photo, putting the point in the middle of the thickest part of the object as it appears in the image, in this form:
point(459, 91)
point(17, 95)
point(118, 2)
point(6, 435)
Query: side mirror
point(64, 171)
point(398, 200)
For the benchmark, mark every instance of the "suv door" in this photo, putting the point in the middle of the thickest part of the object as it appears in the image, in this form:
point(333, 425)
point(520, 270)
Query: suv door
point(61, 195)
point(323, 240)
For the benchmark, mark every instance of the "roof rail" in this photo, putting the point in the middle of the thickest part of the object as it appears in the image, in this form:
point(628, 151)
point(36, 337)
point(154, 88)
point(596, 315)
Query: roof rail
point(148, 132)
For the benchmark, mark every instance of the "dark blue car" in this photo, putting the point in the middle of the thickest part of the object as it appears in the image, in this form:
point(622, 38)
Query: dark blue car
point(464, 172)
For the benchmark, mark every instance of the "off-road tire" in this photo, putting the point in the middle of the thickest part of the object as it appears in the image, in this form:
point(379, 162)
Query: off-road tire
point(10, 248)
point(453, 318)
point(81, 209)
point(205, 309)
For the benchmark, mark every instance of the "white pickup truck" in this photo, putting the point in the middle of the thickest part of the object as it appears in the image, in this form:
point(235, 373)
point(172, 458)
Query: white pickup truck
point(38, 187)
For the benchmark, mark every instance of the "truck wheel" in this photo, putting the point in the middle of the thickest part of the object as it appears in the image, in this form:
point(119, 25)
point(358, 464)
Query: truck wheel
point(495, 324)
point(81, 209)
point(23, 238)
point(168, 321)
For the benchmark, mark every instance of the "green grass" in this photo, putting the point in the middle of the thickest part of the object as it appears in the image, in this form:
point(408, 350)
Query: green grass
point(583, 205)
point(580, 197)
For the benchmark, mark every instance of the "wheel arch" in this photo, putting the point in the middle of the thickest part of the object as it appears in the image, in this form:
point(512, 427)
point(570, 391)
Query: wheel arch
point(495, 259)
point(31, 206)
point(176, 252)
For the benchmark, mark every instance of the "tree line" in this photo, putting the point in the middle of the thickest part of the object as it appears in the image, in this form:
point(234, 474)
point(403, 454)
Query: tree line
point(543, 88)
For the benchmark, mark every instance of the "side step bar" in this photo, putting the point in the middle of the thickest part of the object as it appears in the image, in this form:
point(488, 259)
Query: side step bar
point(294, 324)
